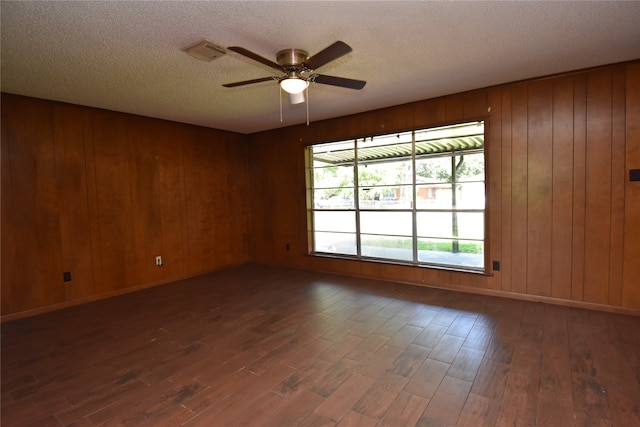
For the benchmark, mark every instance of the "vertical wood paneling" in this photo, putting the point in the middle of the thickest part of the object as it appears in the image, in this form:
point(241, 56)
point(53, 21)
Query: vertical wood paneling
point(493, 170)
point(238, 197)
point(631, 272)
point(31, 245)
point(469, 280)
point(429, 113)
point(519, 196)
point(169, 161)
point(203, 192)
point(92, 202)
point(73, 202)
point(598, 187)
point(145, 197)
point(111, 150)
point(618, 175)
point(454, 108)
point(8, 248)
point(6, 206)
point(290, 198)
point(348, 126)
point(539, 185)
point(579, 186)
point(257, 190)
point(219, 188)
point(507, 190)
point(475, 104)
point(562, 173)
point(391, 119)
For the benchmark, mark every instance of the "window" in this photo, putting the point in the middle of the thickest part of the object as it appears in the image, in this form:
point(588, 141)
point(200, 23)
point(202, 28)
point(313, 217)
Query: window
point(413, 197)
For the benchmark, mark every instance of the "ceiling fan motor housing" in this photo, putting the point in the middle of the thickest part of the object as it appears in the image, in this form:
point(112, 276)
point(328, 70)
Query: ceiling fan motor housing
point(291, 57)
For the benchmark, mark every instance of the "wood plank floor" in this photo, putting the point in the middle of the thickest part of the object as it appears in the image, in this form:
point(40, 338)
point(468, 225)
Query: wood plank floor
point(264, 346)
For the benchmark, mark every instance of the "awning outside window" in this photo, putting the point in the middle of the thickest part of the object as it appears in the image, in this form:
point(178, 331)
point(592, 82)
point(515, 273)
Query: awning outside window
point(462, 138)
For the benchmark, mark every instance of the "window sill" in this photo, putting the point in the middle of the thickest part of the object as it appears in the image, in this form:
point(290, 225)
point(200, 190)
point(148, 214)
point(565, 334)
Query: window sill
point(453, 268)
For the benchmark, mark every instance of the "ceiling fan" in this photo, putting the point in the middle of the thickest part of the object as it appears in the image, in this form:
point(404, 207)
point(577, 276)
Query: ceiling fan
point(299, 69)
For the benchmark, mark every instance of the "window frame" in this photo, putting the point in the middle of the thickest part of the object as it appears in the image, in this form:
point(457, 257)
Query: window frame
point(414, 210)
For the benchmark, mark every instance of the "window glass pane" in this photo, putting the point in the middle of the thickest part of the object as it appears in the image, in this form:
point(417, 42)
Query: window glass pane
point(398, 223)
point(469, 195)
point(343, 221)
point(338, 243)
point(333, 177)
point(386, 197)
point(385, 173)
point(472, 168)
point(468, 167)
point(469, 225)
point(433, 169)
point(446, 252)
point(333, 198)
point(388, 247)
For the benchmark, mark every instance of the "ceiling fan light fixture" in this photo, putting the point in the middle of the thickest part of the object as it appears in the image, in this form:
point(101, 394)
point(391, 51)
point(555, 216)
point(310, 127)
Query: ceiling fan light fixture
point(293, 84)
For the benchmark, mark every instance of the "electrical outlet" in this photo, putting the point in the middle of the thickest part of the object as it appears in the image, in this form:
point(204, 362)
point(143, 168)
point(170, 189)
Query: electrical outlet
point(159, 261)
point(66, 276)
point(496, 265)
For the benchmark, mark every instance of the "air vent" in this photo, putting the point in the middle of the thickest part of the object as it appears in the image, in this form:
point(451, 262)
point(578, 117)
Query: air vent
point(205, 50)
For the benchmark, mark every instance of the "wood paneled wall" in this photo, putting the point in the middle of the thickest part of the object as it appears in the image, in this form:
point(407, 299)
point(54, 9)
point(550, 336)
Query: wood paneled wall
point(564, 217)
point(101, 194)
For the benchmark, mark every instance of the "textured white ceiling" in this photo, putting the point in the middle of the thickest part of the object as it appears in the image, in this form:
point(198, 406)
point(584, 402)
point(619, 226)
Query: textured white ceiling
point(127, 55)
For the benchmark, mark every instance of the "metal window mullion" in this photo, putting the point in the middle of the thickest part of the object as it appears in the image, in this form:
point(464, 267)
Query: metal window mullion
point(414, 213)
point(356, 198)
point(312, 208)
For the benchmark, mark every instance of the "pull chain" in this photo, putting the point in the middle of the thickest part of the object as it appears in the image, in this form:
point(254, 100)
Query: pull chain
point(280, 87)
point(307, 90)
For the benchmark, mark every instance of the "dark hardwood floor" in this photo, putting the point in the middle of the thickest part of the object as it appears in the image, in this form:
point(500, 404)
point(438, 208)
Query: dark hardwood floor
point(264, 346)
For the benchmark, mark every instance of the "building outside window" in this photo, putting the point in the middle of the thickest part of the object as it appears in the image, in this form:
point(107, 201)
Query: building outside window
point(414, 197)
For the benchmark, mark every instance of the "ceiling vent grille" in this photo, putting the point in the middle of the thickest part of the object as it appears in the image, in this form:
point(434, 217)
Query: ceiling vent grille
point(205, 50)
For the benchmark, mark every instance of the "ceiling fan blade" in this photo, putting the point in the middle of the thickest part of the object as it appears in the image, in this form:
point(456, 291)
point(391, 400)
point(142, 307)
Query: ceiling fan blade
point(248, 82)
point(327, 55)
point(338, 81)
point(255, 57)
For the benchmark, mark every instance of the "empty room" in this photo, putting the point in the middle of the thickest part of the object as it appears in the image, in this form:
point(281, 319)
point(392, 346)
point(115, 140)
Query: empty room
point(318, 213)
